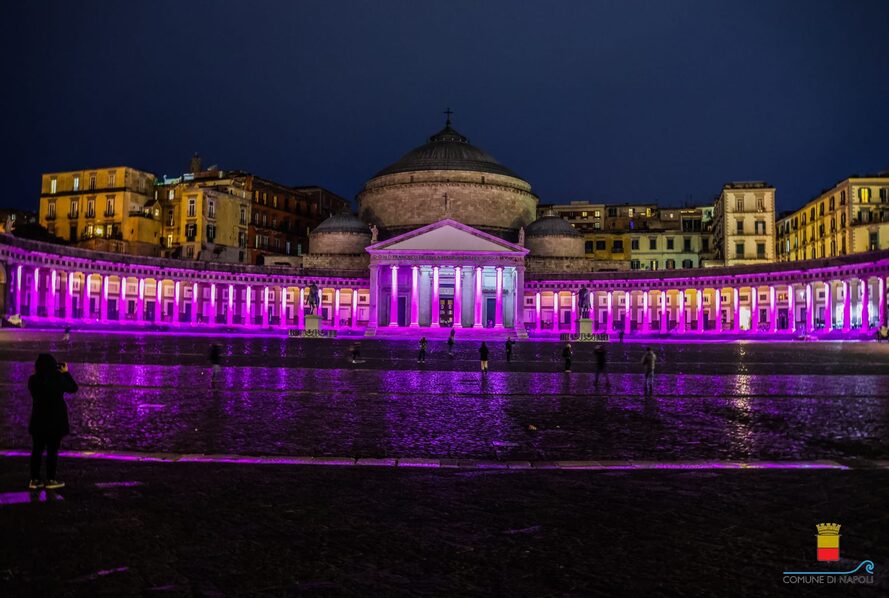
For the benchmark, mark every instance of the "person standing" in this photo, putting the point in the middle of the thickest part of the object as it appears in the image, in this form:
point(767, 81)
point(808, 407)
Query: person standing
point(566, 355)
point(49, 417)
point(67, 336)
point(356, 352)
point(215, 358)
point(451, 342)
point(648, 361)
point(509, 344)
point(483, 353)
point(601, 364)
point(421, 358)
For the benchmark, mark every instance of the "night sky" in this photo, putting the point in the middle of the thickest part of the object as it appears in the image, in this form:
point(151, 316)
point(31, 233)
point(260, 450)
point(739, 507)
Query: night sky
point(620, 101)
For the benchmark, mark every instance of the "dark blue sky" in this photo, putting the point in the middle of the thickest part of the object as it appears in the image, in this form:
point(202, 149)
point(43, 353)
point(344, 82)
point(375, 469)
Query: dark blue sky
point(618, 101)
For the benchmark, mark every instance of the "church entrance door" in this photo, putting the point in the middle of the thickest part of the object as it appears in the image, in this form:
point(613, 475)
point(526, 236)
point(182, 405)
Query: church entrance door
point(446, 312)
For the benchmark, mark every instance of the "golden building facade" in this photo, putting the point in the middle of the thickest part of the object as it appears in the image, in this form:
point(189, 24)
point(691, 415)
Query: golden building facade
point(103, 208)
point(851, 217)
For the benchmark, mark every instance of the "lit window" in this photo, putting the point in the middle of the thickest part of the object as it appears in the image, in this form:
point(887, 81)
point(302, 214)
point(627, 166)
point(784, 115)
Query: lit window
point(631, 212)
point(191, 206)
point(864, 194)
point(92, 181)
point(111, 178)
point(77, 183)
point(171, 194)
point(53, 185)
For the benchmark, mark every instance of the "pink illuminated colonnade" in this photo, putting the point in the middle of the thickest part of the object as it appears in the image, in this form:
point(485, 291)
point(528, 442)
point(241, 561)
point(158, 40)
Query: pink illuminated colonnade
point(846, 295)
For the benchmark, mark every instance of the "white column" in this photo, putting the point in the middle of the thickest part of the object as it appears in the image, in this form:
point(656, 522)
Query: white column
point(176, 291)
point(665, 319)
point(230, 307)
point(354, 311)
point(35, 293)
point(628, 312)
point(646, 312)
point(498, 309)
point(265, 306)
point(51, 296)
point(865, 304)
point(478, 297)
point(103, 299)
point(211, 318)
point(122, 300)
point(415, 297)
point(791, 309)
point(609, 315)
point(435, 307)
point(736, 302)
point(773, 310)
point(282, 321)
point(754, 308)
point(140, 301)
point(301, 306)
point(158, 300)
point(681, 312)
point(700, 294)
point(69, 294)
point(195, 305)
point(393, 298)
point(828, 306)
point(85, 292)
point(458, 297)
point(810, 308)
point(717, 301)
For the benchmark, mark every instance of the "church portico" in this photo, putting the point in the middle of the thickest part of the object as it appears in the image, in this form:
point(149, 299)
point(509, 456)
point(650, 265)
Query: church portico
point(446, 275)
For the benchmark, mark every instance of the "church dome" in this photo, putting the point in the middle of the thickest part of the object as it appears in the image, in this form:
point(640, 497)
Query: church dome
point(447, 178)
point(552, 236)
point(447, 150)
point(344, 222)
point(551, 226)
point(340, 234)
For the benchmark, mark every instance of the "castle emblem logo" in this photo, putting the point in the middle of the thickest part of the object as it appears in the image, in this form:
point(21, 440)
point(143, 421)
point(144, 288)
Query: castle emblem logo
point(828, 540)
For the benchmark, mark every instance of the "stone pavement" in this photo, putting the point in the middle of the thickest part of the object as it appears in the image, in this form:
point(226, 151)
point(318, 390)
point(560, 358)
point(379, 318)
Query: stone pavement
point(205, 529)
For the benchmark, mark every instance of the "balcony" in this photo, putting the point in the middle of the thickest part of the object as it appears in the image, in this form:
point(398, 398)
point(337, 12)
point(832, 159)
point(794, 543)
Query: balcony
point(90, 214)
point(51, 216)
point(73, 215)
point(139, 214)
point(109, 214)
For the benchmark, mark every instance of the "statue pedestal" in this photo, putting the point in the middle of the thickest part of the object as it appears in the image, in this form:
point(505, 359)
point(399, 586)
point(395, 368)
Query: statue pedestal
point(585, 326)
point(313, 323)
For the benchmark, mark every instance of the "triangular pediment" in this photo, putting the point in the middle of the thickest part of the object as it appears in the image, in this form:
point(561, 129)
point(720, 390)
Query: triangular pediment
point(447, 235)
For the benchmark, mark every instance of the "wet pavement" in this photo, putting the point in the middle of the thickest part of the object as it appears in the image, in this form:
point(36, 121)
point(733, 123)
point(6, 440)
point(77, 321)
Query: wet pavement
point(278, 396)
point(142, 529)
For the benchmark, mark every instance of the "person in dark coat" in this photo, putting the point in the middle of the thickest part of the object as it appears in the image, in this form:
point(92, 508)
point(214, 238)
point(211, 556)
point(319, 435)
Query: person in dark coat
point(49, 416)
point(451, 343)
point(601, 364)
point(483, 353)
point(509, 344)
point(215, 358)
point(567, 354)
point(421, 358)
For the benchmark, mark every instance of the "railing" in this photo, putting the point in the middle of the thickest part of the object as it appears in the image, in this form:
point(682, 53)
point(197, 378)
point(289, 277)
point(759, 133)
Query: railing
point(109, 213)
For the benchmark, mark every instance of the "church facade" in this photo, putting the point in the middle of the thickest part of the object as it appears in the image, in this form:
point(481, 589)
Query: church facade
point(446, 237)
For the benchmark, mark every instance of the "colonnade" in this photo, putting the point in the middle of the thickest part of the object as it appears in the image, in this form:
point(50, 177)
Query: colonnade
point(825, 305)
point(80, 295)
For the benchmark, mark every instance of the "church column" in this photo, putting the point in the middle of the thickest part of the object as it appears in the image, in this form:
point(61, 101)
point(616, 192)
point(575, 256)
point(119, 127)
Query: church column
point(458, 297)
point(557, 308)
point(51, 295)
point(69, 294)
point(736, 302)
point(282, 322)
point(35, 293)
point(301, 305)
point(628, 312)
point(478, 298)
point(700, 294)
point(681, 312)
point(140, 301)
point(85, 291)
point(177, 288)
point(415, 297)
point(573, 328)
point(865, 304)
point(537, 310)
point(265, 306)
point(195, 303)
point(18, 289)
point(103, 299)
point(498, 309)
point(230, 308)
point(847, 305)
point(665, 320)
point(754, 309)
point(211, 317)
point(435, 306)
point(373, 316)
point(881, 289)
point(393, 298)
point(519, 301)
point(773, 310)
point(122, 299)
point(646, 312)
point(828, 306)
point(609, 315)
point(353, 311)
point(791, 309)
point(810, 308)
point(717, 300)
point(158, 300)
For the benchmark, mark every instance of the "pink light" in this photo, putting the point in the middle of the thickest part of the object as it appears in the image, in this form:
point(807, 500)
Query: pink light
point(415, 295)
point(435, 299)
point(478, 297)
point(354, 308)
point(537, 309)
point(393, 298)
point(458, 297)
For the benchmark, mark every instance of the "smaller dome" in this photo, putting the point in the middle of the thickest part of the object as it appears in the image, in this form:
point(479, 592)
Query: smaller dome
point(551, 226)
point(344, 222)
